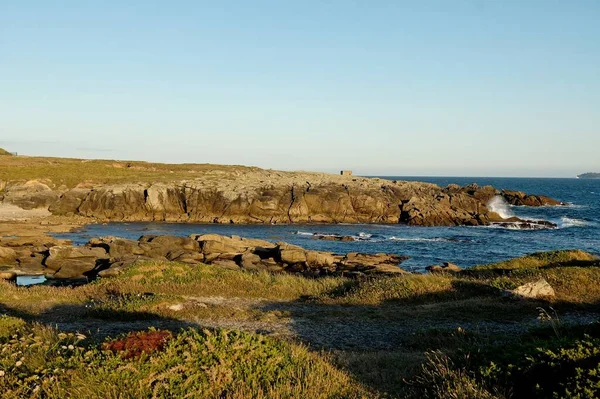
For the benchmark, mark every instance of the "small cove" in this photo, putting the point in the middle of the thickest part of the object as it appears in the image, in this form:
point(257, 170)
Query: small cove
point(578, 227)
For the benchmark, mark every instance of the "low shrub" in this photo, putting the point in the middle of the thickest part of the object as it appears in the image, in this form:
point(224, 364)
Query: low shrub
point(137, 343)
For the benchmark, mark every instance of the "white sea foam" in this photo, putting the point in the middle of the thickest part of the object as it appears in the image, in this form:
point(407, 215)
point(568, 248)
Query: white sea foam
point(303, 233)
point(365, 235)
point(575, 206)
point(500, 206)
point(418, 239)
point(572, 222)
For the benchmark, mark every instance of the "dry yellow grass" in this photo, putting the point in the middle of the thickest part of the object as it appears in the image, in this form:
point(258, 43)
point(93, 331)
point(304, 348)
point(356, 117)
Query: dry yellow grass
point(69, 172)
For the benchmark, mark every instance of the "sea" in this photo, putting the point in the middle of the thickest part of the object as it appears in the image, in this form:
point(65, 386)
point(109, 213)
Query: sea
point(578, 227)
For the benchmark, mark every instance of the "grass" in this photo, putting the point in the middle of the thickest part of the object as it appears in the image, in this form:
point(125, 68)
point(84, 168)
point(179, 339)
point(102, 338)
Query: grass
point(42, 362)
point(464, 319)
point(4, 152)
point(69, 172)
point(542, 260)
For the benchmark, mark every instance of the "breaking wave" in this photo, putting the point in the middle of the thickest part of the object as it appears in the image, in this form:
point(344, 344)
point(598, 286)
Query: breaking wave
point(421, 239)
point(500, 206)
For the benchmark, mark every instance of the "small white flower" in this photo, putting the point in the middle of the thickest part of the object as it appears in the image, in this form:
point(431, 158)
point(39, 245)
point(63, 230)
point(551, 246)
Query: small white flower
point(19, 363)
point(2, 373)
point(71, 347)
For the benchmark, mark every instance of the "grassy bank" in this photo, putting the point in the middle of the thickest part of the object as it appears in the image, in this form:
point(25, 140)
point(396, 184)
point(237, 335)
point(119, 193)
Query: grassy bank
point(447, 335)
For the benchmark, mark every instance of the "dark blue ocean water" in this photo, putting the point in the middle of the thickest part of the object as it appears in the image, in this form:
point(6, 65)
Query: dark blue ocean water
point(578, 227)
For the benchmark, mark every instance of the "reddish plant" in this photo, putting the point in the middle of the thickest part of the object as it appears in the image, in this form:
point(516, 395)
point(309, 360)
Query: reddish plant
point(136, 343)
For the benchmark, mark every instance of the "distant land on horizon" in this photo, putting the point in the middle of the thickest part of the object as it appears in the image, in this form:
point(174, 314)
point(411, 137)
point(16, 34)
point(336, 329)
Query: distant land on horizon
point(589, 175)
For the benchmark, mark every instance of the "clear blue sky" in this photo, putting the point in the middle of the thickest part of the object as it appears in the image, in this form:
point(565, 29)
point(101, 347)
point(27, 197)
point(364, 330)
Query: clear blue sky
point(499, 88)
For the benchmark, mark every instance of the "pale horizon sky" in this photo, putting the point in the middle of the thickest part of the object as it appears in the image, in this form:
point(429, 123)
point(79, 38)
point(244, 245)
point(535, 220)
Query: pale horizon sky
point(438, 88)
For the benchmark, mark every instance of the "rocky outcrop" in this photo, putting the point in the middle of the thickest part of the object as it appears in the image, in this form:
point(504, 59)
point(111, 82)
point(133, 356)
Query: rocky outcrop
point(261, 196)
point(519, 224)
point(519, 198)
point(110, 256)
point(485, 193)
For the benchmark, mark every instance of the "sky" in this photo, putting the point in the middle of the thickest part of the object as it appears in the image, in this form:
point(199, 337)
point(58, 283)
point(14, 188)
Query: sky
point(443, 88)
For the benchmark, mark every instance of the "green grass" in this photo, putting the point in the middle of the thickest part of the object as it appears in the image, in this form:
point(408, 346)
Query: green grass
point(542, 259)
point(421, 307)
point(69, 172)
point(41, 362)
point(4, 152)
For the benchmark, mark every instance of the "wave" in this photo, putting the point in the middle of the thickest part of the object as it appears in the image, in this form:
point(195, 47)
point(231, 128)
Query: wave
point(499, 205)
point(419, 239)
point(566, 222)
point(362, 236)
point(575, 206)
point(304, 233)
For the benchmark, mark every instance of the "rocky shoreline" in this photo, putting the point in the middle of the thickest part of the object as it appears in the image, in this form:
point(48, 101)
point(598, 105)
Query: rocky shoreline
point(221, 194)
point(110, 256)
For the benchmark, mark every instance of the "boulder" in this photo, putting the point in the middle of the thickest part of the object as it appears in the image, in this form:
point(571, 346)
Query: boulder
point(117, 247)
point(445, 267)
point(250, 261)
point(190, 257)
point(292, 256)
point(210, 247)
point(537, 289)
point(319, 259)
point(74, 262)
point(8, 256)
point(329, 237)
point(215, 243)
point(32, 263)
point(161, 246)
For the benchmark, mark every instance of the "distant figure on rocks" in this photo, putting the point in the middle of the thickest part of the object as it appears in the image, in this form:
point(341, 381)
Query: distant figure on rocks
point(346, 173)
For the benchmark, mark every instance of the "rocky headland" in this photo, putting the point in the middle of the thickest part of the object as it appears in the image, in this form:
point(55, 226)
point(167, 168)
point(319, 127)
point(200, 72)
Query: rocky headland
point(114, 191)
